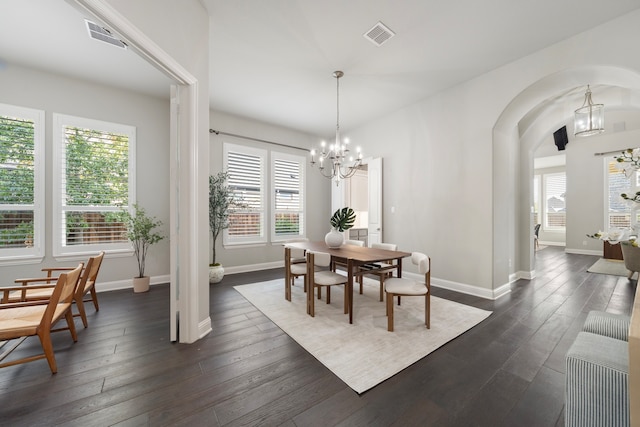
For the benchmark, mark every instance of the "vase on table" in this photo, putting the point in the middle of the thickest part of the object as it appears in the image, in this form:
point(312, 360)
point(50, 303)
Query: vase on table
point(334, 239)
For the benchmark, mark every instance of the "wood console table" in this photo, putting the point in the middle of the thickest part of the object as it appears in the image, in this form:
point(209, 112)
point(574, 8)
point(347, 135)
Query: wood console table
point(612, 251)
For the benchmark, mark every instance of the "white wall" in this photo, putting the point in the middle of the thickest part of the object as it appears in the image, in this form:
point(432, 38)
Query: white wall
point(245, 258)
point(453, 170)
point(57, 94)
point(180, 31)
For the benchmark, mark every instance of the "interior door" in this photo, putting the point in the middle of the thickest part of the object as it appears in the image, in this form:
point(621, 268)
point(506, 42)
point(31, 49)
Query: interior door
point(375, 200)
point(340, 198)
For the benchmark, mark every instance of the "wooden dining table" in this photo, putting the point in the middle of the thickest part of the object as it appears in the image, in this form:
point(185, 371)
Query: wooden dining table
point(354, 257)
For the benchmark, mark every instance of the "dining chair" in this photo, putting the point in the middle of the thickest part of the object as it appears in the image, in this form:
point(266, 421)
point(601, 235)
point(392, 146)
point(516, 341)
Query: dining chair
point(20, 320)
point(294, 268)
point(384, 269)
point(86, 285)
point(319, 275)
point(395, 286)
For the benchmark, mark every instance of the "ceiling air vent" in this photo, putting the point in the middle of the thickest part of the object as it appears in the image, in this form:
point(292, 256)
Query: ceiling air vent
point(97, 32)
point(379, 34)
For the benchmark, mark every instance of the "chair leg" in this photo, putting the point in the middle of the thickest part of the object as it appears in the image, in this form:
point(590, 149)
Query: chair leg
point(47, 347)
point(287, 286)
point(81, 310)
point(346, 300)
point(389, 312)
point(382, 277)
point(71, 325)
point(427, 311)
point(328, 294)
point(312, 303)
point(94, 298)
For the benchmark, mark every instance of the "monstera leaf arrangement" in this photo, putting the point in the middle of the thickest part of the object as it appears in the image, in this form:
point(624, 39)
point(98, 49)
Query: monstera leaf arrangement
point(343, 219)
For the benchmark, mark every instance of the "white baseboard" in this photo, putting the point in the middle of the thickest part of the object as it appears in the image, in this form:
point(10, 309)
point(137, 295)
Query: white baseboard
point(552, 243)
point(528, 275)
point(205, 326)
point(584, 252)
point(128, 283)
point(464, 288)
point(253, 267)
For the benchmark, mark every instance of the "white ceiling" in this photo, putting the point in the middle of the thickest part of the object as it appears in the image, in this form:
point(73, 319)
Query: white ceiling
point(273, 60)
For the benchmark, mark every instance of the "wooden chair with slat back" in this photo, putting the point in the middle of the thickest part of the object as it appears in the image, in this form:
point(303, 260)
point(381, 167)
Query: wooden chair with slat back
point(86, 285)
point(20, 320)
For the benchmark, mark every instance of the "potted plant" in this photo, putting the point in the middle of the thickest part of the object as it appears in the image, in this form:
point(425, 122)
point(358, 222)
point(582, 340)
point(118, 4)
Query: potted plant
point(140, 230)
point(341, 220)
point(220, 199)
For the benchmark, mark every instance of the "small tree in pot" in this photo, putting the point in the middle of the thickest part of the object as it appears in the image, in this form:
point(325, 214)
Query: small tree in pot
point(140, 230)
point(220, 199)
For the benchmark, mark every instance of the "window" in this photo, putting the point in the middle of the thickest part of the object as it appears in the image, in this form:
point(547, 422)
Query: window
point(287, 191)
point(555, 212)
point(619, 210)
point(246, 168)
point(21, 184)
point(94, 180)
point(270, 197)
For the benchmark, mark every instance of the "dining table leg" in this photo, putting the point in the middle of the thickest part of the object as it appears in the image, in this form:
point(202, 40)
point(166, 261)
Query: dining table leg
point(349, 290)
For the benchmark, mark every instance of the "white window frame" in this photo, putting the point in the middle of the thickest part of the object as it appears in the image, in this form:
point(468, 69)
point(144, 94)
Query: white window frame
point(228, 240)
point(631, 208)
point(275, 155)
point(34, 254)
point(545, 223)
point(60, 251)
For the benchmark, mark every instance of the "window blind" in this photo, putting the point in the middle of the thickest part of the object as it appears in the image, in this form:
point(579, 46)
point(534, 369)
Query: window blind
point(619, 209)
point(94, 181)
point(287, 197)
point(20, 192)
point(555, 212)
point(95, 186)
point(246, 218)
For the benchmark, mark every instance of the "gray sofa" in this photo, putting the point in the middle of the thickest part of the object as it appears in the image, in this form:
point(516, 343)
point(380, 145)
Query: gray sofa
point(597, 373)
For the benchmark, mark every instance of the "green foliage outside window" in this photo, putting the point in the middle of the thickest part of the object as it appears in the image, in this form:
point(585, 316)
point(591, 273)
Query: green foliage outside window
point(16, 182)
point(97, 168)
point(97, 174)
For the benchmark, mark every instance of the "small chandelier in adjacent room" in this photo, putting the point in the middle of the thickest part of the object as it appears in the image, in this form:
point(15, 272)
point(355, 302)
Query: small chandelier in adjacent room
point(589, 119)
point(336, 161)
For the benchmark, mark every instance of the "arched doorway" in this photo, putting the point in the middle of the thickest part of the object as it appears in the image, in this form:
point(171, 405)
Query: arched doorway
point(535, 113)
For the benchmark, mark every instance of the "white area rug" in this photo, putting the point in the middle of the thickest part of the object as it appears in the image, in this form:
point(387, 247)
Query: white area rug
point(608, 266)
point(364, 353)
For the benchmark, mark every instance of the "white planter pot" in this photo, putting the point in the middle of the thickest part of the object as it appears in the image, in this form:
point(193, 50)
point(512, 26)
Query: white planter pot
point(216, 273)
point(334, 239)
point(141, 284)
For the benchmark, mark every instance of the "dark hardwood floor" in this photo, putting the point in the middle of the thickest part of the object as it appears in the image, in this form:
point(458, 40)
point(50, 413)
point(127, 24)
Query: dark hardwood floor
point(123, 371)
